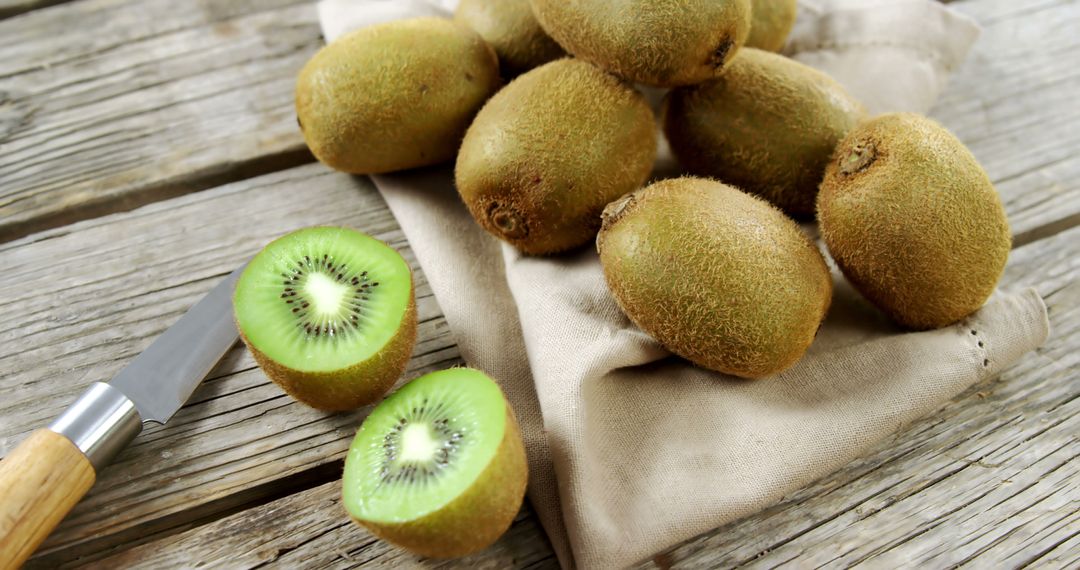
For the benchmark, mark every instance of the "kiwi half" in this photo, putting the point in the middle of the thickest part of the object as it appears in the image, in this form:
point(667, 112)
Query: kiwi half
point(329, 315)
point(439, 467)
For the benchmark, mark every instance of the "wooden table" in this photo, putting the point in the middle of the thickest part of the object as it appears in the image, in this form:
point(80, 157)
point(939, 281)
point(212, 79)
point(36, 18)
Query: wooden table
point(147, 147)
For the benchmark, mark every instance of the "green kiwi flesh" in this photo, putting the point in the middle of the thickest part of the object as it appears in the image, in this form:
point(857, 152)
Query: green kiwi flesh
point(439, 467)
point(772, 22)
point(768, 127)
point(665, 43)
point(549, 151)
point(913, 221)
point(329, 315)
point(715, 275)
point(510, 27)
point(394, 96)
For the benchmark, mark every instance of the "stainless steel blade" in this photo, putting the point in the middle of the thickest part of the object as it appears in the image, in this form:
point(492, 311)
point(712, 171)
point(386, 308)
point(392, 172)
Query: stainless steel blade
point(163, 377)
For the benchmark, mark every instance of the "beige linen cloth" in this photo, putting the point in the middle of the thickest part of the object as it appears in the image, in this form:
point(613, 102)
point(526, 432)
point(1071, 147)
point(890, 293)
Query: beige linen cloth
point(632, 450)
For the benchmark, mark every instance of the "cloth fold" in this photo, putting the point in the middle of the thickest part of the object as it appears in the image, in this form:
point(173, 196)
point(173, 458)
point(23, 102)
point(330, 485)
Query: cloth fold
point(632, 450)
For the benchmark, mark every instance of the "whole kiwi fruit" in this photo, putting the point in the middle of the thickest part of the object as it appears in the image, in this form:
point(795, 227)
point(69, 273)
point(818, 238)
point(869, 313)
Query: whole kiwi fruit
point(549, 151)
point(772, 22)
point(510, 27)
point(768, 126)
point(913, 221)
point(717, 276)
point(394, 96)
point(439, 466)
point(664, 43)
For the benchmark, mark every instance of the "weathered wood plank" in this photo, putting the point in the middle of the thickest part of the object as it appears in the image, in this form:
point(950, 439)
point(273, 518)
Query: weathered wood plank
point(9, 8)
point(310, 530)
point(81, 301)
point(993, 478)
point(83, 274)
point(162, 99)
point(106, 105)
point(1013, 102)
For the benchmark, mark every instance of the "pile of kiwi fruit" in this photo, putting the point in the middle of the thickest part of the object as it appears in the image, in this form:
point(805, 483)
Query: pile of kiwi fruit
point(537, 105)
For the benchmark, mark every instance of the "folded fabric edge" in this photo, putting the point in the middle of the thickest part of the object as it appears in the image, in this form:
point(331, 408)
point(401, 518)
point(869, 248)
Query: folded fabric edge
point(431, 191)
point(1006, 328)
point(1026, 326)
point(925, 27)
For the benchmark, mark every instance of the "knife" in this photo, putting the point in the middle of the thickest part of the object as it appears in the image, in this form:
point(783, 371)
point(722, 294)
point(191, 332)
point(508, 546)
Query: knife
point(47, 474)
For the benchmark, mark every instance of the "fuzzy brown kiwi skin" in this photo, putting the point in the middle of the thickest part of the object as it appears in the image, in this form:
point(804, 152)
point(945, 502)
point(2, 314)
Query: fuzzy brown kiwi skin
point(482, 513)
point(359, 385)
point(772, 22)
point(663, 43)
point(913, 221)
point(768, 126)
point(394, 96)
point(740, 305)
point(510, 27)
point(549, 151)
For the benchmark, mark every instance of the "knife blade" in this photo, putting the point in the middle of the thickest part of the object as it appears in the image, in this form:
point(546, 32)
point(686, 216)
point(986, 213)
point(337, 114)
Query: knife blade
point(182, 356)
point(46, 475)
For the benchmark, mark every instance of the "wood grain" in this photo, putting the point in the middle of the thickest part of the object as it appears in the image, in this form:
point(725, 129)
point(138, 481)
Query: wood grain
point(105, 106)
point(39, 483)
point(161, 100)
point(9, 8)
point(310, 529)
point(993, 478)
point(111, 285)
point(1013, 102)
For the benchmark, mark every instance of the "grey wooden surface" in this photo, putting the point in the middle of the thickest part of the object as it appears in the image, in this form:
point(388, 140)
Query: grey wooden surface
point(148, 146)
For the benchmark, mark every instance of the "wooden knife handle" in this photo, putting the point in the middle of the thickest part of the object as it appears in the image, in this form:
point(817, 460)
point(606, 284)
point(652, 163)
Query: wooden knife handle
point(40, 481)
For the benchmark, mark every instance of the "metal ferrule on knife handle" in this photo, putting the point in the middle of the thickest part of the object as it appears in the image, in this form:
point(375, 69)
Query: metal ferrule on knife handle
point(100, 423)
point(46, 475)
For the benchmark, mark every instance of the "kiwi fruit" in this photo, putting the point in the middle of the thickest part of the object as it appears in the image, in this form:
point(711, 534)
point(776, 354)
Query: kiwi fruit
point(395, 95)
point(510, 27)
point(768, 126)
point(439, 467)
point(549, 151)
point(664, 43)
point(913, 221)
point(329, 315)
point(715, 275)
point(772, 22)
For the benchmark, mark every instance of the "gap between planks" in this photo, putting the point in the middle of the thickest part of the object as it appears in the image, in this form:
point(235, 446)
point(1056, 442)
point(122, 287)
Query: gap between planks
point(180, 459)
point(156, 99)
point(132, 114)
point(987, 135)
point(9, 8)
point(86, 317)
point(946, 490)
point(988, 478)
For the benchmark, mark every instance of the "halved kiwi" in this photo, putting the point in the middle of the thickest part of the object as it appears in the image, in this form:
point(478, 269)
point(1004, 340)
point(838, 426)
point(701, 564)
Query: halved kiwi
point(329, 315)
point(439, 467)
